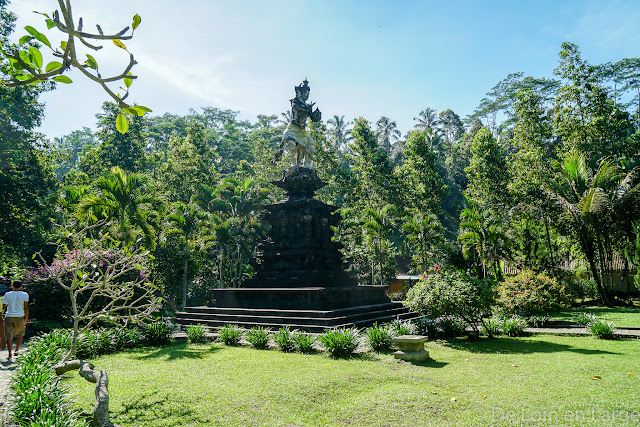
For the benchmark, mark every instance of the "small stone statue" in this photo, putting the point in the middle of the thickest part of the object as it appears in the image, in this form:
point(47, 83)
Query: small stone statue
point(295, 139)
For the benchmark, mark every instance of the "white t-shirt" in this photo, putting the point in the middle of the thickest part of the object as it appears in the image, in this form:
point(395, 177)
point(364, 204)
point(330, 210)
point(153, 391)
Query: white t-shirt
point(15, 303)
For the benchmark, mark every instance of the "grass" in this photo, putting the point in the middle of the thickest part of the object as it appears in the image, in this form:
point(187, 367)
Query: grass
point(621, 316)
point(537, 380)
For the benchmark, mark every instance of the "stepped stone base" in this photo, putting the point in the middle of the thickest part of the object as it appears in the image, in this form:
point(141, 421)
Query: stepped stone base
point(313, 320)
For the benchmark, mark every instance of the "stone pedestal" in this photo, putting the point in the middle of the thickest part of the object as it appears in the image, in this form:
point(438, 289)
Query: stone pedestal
point(411, 348)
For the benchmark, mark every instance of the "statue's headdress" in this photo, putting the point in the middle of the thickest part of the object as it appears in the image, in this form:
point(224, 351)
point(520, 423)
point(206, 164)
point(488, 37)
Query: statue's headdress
point(302, 86)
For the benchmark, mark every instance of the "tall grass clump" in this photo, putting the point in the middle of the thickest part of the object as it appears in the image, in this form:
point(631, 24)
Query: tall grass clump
point(600, 328)
point(513, 326)
point(285, 339)
point(380, 338)
point(304, 342)
point(402, 327)
point(230, 334)
point(39, 400)
point(258, 337)
point(585, 318)
point(196, 334)
point(340, 342)
point(158, 332)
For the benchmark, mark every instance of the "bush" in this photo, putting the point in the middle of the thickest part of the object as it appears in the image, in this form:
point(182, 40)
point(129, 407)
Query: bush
point(304, 341)
point(402, 327)
point(530, 293)
point(158, 332)
point(583, 289)
point(492, 327)
point(39, 398)
point(585, 318)
point(196, 334)
point(230, 334)
point(538, 321)
point(600, 328)
point(513, 326)
point(285, 339)
point(452, 326)
point(340, 342)
point(259, 337)
point(380, 338)
point(427, 327)
point(451, 294)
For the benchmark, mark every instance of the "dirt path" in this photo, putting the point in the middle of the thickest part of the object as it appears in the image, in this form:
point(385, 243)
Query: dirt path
point(6, 370)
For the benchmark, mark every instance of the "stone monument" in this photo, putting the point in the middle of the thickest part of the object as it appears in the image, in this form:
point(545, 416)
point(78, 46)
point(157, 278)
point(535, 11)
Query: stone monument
point(300, 277)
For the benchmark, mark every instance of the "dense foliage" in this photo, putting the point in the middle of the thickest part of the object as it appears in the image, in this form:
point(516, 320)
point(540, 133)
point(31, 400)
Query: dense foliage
point(530, 293)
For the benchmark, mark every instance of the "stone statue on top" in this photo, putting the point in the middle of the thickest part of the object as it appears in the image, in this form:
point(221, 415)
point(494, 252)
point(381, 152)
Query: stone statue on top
point(296, 140)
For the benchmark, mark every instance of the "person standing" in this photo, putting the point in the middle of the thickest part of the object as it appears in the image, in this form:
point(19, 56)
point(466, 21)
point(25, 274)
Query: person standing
point(15, 306)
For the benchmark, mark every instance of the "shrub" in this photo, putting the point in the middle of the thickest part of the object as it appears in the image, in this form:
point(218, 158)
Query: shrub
point(380, 338)
point(492, 327)
point(285, 339)
point(452, 326)
point(585, 318)
point(538, 321)
point(600, 328)
point(451, 294)
point(196, 334)
point(583, 288)
point(530, 293)
point(340, 342)
point(259, 337)
point(427, 327)
point(230, 334)
point(513, 326)
point(158, 332)
point(39, 398)
point(402, 327)
point(304, 341)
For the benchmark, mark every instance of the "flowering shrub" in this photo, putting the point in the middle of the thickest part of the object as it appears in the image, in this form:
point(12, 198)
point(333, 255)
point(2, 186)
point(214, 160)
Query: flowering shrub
point(451, 294)
point(530, 293)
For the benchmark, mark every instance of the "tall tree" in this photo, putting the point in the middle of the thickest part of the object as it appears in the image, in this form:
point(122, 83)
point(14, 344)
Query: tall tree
point(339, 132)
point(427, 119)
point(387, 132)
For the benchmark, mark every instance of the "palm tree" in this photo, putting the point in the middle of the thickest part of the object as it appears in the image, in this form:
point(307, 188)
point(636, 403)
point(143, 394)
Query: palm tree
point(187, 219)
point(423, 231)
point(426, 119)
point(378, 224)
point(387, 133)
point(339, 132)
point(124, 199)
point(594, 204)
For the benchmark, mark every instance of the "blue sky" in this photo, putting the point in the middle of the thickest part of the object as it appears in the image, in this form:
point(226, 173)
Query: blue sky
point(365, 59)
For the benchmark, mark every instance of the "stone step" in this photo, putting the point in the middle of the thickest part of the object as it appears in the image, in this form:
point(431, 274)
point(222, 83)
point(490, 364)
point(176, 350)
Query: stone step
point(294, 313)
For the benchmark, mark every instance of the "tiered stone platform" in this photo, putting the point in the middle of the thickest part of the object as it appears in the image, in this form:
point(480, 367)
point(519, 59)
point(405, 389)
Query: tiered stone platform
point(300, 279)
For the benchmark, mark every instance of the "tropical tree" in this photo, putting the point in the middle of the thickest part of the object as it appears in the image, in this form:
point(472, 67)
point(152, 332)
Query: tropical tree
point(126, 200)
point(426, 119)
point(387, 133)
point(377, 226)
point(339, 132)
point(190, 222)
point(424, 233)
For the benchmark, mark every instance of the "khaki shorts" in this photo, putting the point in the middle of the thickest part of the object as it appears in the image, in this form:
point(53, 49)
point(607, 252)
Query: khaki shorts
point(14, 327)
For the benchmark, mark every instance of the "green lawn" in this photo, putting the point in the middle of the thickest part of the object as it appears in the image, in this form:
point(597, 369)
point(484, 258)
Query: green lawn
point(537, 380)
point(621, 316)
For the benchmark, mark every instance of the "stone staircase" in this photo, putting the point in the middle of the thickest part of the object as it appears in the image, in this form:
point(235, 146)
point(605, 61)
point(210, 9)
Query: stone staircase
point(314, 321)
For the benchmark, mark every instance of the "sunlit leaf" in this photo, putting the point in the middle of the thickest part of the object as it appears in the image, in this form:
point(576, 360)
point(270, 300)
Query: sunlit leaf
point(136, 21)
point(25, 57)
point(38, 35)
point(50, 24)
point(62, 79)
point(596, 377)
point(25, 39)
point(52, 66)
point(119, 44)
point(127, 82)
point(122, 124)
point(143, 108)
point(36, 57)
point(91, 62)
point(63, 45)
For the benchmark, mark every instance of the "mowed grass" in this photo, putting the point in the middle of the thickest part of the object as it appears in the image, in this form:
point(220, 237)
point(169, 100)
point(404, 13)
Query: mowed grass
point(621, 316)
point(537, 380)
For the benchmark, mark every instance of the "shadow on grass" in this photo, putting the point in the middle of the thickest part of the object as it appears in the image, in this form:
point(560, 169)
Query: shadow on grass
point(506, 345)
point(152, 406)
point(178, 351)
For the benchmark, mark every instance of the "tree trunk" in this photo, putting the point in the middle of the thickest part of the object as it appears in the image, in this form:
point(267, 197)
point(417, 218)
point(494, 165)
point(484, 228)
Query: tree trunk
point(185, 281)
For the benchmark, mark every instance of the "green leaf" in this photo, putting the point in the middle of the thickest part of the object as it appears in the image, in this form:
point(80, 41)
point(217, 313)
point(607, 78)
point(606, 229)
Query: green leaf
point(127, 82)
point(139, 267)
point(25, 39)
point(38, 35)
point(25, 57)
point(134, 111)
point(136, 21)
point(63, 45)
point(52, 66)
point(121, 123)
point(119, 44)
point(62, 79)
point(143, 108)
point(91, 62)
point(50, 24)
point(36, 57)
